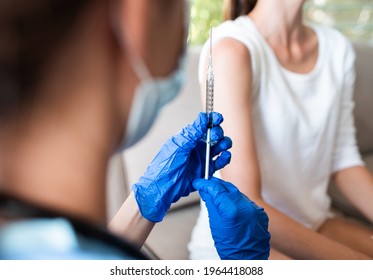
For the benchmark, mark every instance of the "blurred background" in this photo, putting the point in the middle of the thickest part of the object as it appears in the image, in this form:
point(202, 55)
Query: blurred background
point(354, 18)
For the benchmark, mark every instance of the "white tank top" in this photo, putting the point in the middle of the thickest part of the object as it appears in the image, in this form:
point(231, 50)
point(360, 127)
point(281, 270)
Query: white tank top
point(303, 123)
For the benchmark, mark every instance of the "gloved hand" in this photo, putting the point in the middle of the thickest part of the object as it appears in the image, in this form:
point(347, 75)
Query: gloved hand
point(180, 160)
point(238, 226)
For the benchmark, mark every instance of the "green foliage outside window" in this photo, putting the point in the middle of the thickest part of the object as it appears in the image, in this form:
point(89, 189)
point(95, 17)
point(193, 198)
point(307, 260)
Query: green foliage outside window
point(354, 18)
point(203, 13)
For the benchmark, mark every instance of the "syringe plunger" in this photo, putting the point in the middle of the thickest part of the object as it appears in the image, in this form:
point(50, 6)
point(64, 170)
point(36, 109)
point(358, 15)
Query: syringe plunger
point(209, 107)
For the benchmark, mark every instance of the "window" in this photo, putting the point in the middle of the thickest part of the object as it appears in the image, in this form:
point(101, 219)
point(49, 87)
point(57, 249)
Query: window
point(354, 18)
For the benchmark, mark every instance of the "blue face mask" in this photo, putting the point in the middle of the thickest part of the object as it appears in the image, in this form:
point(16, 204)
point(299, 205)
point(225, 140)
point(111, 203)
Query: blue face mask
point(152, 94)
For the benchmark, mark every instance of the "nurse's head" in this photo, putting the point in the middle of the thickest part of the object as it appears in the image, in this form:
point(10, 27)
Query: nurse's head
point(53, 51)
point(79, 80)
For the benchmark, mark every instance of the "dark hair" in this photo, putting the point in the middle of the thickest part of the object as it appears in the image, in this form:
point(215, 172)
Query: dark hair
point(29, 33)
point(234, 8)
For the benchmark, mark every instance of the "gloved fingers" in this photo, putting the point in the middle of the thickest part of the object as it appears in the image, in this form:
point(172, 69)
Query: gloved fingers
point(192, 133)
point(229, 187)
point(211, 187)
point(212, 193)
point(217, 133)
point(215, 186)
point(208, 201)
point(233, 194)
point(215, 194)
point(217, 118)
point(196, 131)
point(224, 144)
point(221, 161)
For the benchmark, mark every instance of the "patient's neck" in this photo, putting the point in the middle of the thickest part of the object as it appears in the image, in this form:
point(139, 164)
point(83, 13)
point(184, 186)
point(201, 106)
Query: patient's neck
point(279, 21)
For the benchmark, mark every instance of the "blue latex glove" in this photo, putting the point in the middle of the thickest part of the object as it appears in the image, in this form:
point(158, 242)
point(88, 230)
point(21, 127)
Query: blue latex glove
point(180, 160)
point(238, 226)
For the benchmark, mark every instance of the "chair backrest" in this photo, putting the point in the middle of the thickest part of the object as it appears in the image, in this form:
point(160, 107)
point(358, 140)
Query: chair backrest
point(364, 97)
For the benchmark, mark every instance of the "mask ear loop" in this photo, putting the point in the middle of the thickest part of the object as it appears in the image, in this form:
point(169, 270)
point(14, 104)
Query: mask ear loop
point(136, 62)
point(186, 21)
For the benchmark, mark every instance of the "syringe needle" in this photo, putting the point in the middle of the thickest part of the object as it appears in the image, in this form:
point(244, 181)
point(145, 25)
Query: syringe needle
point(209, 107)
point(210, 41)
point(207, 166)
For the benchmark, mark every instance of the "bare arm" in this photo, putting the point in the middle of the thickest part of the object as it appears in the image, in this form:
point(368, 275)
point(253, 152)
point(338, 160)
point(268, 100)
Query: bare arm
point(299, 242)
point(356, 184)
point(233, 82)
point(130, 224)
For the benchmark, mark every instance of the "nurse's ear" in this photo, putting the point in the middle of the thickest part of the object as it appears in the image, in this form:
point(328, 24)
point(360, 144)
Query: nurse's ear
point(153, 30)
point(129, 24)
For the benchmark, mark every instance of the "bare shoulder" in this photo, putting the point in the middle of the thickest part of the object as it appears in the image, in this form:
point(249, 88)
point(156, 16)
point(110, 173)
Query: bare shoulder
point(231, 51)
point(232, 71)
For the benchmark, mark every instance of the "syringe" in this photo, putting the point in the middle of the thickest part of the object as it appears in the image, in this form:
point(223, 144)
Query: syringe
point(209, 106)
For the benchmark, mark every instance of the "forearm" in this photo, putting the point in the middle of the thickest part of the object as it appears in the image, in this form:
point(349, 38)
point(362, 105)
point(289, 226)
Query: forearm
point(130, 224)
point(299, 242)
point(356, 184)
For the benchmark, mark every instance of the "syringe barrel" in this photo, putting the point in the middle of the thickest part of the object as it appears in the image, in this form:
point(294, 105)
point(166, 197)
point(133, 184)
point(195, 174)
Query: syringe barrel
point(209, 94)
